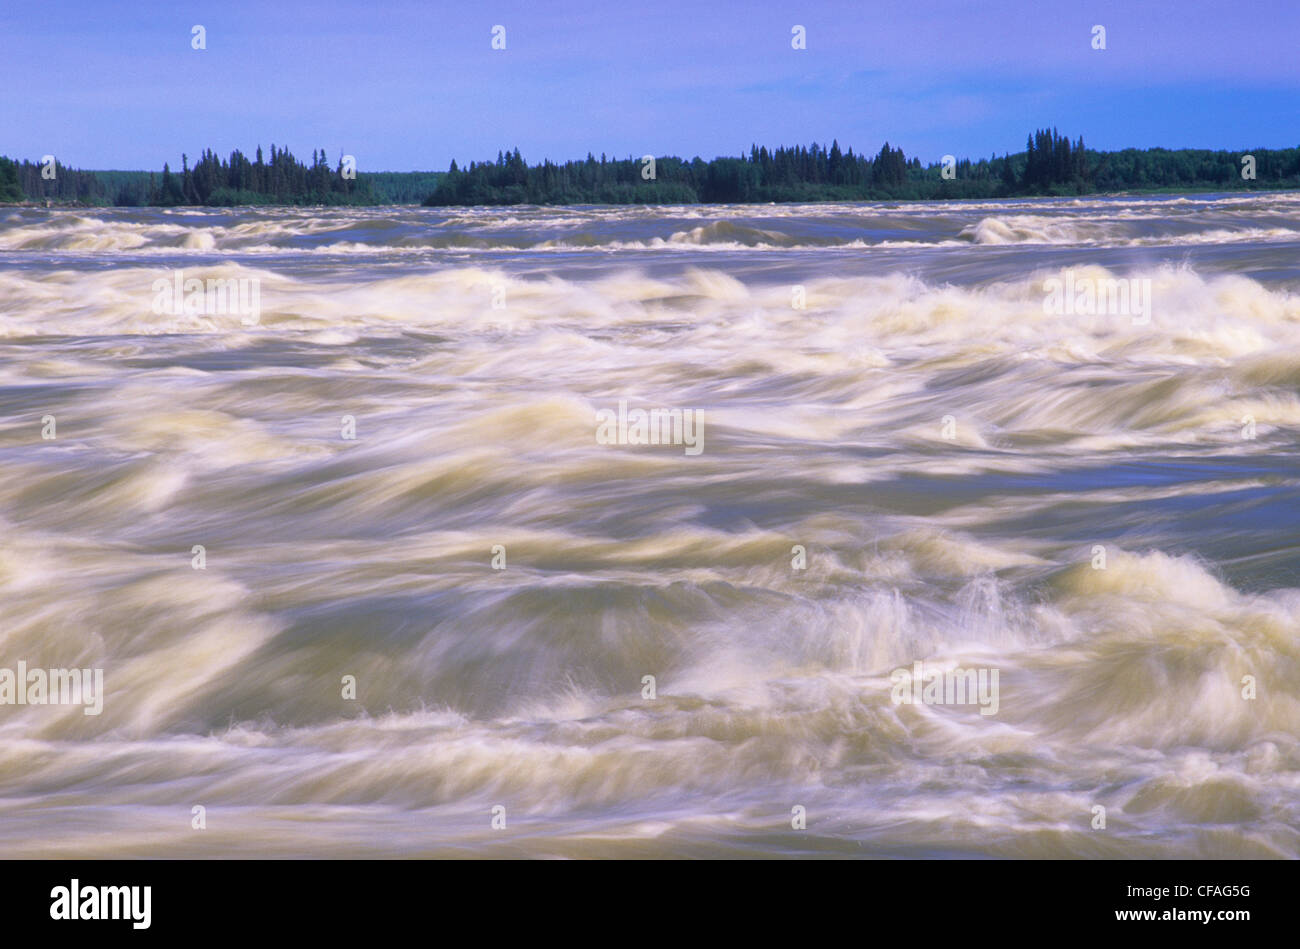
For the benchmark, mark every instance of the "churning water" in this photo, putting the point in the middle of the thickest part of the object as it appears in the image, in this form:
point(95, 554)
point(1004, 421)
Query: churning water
point(912, 449)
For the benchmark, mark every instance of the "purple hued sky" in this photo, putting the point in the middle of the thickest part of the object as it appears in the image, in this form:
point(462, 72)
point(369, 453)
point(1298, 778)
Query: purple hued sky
point(410, 85)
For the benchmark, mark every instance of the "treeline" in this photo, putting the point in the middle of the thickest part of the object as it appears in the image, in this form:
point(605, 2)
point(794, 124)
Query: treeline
point(219, 182)
point(1050, 160)
point(1191, 168)
point(9, 188)
point(213, 181)
point(786, 174)
point(49, 180)
point(1051, 164)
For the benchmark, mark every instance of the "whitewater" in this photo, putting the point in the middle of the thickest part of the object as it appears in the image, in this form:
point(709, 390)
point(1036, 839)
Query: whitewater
point(364, 578)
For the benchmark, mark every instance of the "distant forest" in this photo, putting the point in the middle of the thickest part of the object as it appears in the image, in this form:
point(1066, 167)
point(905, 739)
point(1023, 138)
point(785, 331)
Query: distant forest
point(1051, 164)
point(216, 182)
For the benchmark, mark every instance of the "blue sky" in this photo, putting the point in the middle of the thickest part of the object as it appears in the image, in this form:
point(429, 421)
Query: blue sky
point(410, 85)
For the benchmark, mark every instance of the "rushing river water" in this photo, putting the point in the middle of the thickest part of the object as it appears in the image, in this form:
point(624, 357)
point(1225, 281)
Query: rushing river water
point(908, 448)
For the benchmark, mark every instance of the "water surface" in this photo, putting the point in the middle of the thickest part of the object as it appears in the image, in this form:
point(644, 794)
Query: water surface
point(473, 349)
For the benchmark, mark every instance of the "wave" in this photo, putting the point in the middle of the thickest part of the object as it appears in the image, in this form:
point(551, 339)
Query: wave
point(730, 228)
point(1037, 229)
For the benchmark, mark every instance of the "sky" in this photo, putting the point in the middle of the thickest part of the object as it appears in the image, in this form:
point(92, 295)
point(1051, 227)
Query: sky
point(411, 85)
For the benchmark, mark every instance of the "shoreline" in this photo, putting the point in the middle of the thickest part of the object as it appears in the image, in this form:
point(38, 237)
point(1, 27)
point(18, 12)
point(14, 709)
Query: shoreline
point(1137, 192)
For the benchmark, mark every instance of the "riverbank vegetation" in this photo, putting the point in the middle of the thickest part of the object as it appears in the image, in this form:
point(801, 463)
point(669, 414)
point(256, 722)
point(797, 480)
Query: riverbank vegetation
point(1051, 164)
